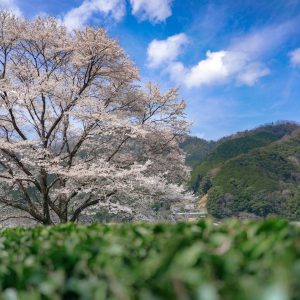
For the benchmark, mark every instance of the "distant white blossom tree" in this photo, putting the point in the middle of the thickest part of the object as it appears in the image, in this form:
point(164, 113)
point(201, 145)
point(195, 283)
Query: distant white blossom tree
point(76, 132)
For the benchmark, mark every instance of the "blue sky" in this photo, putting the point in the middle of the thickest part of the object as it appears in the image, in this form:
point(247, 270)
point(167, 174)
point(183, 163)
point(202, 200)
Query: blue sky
point(237, 63)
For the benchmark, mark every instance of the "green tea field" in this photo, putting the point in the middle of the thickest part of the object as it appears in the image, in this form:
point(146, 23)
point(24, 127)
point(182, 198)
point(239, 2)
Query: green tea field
point(184, 261)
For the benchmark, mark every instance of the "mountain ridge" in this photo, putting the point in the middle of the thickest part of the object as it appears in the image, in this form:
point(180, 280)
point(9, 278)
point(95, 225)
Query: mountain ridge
point(253, 172)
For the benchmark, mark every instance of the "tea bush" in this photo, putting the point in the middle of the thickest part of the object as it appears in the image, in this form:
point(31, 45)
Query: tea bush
point(235, 260)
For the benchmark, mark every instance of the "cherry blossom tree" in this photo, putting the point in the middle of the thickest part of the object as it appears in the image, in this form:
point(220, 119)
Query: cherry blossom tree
point(77, 134)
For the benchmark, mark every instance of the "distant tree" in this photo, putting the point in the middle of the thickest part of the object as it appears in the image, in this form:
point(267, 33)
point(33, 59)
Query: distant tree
point(76, 132)
point(293, 206)
point(219, 204)
point(205, 184)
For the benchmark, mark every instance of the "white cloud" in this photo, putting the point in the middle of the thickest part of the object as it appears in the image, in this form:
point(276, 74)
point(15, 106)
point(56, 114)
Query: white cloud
point(207, 71)
point(11, 6)
point(264, 40)
point(165, 51)
point(295, 57)
point(78, 16)
point(252, 73)
point(154, 10)
point(242, 62)
point(177, 71)
point(219, 67)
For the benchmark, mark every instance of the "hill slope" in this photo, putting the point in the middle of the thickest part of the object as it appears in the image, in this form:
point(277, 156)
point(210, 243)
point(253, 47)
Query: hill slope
point(197, 149)
point(256, 172)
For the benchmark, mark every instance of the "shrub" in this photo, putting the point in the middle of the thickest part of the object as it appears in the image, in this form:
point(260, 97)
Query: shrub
point(236, 260)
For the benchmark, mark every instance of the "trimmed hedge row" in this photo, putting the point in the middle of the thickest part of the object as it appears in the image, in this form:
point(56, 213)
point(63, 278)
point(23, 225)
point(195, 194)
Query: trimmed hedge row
point(235, 260)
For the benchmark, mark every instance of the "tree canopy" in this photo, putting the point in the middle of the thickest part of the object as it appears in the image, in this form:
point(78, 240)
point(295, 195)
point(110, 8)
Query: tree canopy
point(77, 133)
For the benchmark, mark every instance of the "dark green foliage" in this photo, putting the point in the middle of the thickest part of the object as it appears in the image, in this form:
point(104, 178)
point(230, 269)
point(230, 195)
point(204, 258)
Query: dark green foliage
point(206, 184)
point(198, 173)
point(220, 204)
point(263, 205)
point(262, 182)
point(240, 174)
point(234, 146)
point(235, 260)
point(293, 205)
point(259, 171)
point(196, 149)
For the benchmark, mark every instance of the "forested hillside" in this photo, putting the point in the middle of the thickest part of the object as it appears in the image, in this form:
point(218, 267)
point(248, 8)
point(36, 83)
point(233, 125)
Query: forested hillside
point(253, 173)
point(197, 149)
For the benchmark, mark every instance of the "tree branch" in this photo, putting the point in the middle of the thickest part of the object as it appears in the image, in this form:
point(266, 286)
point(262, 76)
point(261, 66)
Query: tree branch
point(87, 204)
